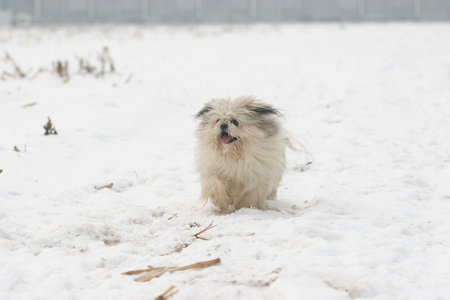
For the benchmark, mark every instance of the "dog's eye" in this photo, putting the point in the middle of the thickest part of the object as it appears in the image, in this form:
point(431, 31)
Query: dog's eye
point(217, 120)
point(236, 123)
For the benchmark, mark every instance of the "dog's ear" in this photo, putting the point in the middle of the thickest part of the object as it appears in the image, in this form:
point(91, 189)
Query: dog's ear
point(204, 110)
point(265, 110)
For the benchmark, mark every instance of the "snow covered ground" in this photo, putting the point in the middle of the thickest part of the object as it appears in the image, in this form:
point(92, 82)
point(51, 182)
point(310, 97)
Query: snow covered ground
point(370, 218)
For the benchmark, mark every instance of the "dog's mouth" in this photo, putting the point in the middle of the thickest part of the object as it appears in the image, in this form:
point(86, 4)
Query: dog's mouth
point(227, 139)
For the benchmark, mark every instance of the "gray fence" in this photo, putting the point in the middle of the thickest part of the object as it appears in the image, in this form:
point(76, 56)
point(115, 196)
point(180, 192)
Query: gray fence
point(231, 11)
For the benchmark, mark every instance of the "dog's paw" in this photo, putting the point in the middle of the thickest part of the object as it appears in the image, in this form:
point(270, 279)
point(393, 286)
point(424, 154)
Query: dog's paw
point(283, 207)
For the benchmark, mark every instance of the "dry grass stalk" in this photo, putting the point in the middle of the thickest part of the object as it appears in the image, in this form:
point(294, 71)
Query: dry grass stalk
point(169, 293)
point(39, 71)
point(16, 149)
point(197, 235)
point(180, 248)
point(105, 62)
point(7, 74)
point(62, 69)
point(210, 226)
point(129, 79)
point(3, 76)
point(84, 66)
point(49, 129)
point(108, 186)
point(16, 66)
point(30, 104)
point(105, 58)
point(274, 275)
point(152, 272)
point(172, 217)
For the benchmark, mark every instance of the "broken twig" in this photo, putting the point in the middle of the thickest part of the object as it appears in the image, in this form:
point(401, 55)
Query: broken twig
point(152, 272)
point(30, 104)
point(169, 293)
point(108, 186)
point(16, 66)
point(173, 216)
point(41, 70)
point(210, 226)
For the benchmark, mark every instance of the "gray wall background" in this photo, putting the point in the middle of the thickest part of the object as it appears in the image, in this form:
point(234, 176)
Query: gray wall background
point(224, 11)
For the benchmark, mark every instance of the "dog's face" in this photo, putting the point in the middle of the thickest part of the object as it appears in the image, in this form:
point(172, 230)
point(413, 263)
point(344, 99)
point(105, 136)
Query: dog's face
point(236, 124)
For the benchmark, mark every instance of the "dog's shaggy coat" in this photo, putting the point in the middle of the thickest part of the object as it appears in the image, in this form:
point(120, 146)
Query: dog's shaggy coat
point(240, 152)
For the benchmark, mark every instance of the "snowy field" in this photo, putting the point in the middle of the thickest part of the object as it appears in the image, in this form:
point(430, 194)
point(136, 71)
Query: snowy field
point(369, 218)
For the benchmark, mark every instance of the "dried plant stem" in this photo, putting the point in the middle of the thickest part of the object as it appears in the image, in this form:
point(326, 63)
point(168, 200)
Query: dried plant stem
point(129, 79)
point(30, 104)
point(210, 226)
point(49, 129)
point(170, 292)
point(108, 186)
point(180, 248)
point(173, 216)
point(41, 70)
point(152, 272)
point(16, 66)
point(199, 265)
point(105, 58)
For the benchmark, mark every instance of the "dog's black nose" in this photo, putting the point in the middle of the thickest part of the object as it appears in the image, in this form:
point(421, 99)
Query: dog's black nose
point(224, 126)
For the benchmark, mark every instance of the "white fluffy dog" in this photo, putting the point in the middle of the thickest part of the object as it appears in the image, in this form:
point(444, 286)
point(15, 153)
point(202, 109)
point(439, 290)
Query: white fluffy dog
point(240, 152)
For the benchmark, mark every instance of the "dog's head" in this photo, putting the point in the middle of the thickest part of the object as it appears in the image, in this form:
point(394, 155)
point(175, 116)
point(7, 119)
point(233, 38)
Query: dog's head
point(237, 124)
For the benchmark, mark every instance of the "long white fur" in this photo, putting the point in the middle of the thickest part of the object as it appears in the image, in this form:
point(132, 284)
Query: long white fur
point(248, 171)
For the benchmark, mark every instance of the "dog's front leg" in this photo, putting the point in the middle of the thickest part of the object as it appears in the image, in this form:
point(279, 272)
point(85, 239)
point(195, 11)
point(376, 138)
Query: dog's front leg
point(215, 190)
point(255, 197)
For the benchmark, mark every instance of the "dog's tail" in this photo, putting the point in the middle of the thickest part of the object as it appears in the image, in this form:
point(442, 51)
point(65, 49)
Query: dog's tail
point(300, 148)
